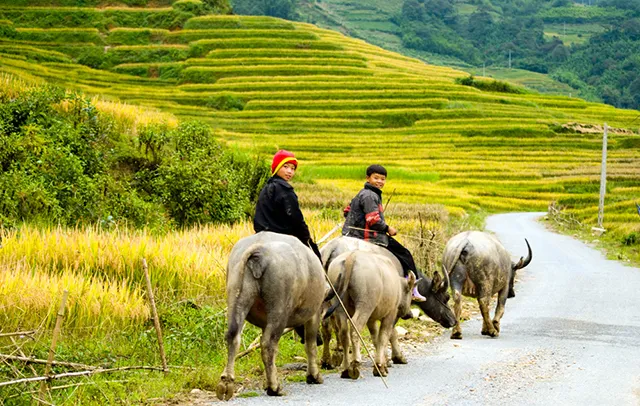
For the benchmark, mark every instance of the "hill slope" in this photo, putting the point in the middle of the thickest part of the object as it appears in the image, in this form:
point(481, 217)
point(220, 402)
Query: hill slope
point(340, 104)
point(532, 35)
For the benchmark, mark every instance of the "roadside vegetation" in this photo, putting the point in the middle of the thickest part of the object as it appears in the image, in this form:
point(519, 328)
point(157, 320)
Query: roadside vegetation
point(142, 141)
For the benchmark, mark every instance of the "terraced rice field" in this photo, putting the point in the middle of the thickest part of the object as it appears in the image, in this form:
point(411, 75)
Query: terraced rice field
point(340, 104)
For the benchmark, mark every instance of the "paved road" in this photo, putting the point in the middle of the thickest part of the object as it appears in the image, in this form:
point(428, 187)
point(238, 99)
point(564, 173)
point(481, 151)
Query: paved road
point(570, 336)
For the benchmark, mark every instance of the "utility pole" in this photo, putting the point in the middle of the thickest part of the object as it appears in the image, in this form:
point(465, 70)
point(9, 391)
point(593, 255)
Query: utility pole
point(484, 72)
point(509, 59)
point(603, 181)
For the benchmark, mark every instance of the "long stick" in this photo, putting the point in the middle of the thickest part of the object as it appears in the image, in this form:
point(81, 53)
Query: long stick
point(388, 200)
point(18, 333)
point(43, 361)
point(79, 373)
point(71, 385)
point(327, 235)
point(54, 341)
point(353, 326)
point(156, 320)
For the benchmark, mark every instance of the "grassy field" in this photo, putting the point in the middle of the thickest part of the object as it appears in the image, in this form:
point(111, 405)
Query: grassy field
point(454, 153)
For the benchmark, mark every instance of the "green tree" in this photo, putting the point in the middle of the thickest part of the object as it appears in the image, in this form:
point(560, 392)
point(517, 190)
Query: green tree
point(274, 8)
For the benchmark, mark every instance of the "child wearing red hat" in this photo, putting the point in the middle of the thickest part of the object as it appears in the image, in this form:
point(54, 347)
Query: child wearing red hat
point(278, 209)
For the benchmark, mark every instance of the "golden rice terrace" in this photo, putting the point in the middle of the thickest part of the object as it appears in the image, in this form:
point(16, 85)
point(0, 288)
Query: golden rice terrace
point(339, 103)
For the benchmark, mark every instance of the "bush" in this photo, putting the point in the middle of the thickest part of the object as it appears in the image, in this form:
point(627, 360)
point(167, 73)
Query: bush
point(195, 7)
point(63, 162)
point(489, 85)
point(226, 102)
point(7, 30)
point(631, 239)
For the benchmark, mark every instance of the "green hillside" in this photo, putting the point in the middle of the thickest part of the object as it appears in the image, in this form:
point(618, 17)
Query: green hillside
point(534, 36)
point(340, 103)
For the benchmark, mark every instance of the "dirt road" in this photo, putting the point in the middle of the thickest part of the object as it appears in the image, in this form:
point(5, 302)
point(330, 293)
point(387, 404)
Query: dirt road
point(570, 336)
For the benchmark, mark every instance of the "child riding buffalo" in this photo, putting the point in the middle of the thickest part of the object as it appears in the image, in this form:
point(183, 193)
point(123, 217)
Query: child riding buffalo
point(278, 209)
point(365, 220)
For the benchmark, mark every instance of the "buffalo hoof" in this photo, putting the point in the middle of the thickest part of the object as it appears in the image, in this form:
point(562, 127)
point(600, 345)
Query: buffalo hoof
point(496, 325)
point(399, 359)
point(311, 380)
point(354, 370)
point(456, 335)
point(382, 368)
point(225, 389)
point(490, 333)
point(345, 374)
point(326, 365)
point(277, 392)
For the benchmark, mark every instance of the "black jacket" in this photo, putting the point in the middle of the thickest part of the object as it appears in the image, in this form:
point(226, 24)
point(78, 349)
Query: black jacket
point(365, 217)
point(278, 211)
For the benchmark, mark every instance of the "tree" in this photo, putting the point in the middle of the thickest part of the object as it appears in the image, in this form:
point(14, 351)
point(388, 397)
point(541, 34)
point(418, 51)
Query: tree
point(273, 8)
point(412, 11)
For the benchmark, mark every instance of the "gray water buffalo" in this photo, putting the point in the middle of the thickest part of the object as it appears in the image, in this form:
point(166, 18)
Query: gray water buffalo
point(274, 282)
point(479, 267)
point(372, 291)
point(434, 290)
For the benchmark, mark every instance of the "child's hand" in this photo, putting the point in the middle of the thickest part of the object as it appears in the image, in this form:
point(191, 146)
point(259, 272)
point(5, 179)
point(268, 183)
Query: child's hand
point(392, 231)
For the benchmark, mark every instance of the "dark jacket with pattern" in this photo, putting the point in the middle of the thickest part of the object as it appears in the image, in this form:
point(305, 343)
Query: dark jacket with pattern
point(365, 217)
point(278, 211)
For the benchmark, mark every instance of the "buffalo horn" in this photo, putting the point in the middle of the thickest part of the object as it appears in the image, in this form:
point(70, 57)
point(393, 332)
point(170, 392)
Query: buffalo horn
point(446, 276)
point(524, 261)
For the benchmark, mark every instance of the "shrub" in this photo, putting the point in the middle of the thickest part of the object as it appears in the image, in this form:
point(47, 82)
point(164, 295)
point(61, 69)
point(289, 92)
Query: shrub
point(489, 85)
point(226, 102)
point(195, 7)
point(62, 161)
point(631, 239)
point(136, 36)
point(7, 30)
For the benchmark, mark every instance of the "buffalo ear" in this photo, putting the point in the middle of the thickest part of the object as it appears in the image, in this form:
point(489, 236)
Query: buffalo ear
point(411, 279)
point(437, 282)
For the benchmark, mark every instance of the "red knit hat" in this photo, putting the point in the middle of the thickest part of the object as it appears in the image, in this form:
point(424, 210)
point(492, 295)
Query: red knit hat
point(280, 158)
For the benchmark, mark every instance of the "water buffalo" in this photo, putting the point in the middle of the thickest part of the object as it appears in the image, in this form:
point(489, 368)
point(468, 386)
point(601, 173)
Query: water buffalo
point(372, 291)
point(435, 291)
point(274, 282)
point(479, 267)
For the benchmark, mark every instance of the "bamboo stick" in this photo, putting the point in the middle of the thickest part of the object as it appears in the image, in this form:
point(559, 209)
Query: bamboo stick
point(156, 320)
point(78, 373)
point(18, 333)
point(54, 341)
point(44, 361)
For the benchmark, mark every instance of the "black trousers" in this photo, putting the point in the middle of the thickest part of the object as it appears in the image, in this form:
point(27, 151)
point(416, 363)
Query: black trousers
point(404, 256)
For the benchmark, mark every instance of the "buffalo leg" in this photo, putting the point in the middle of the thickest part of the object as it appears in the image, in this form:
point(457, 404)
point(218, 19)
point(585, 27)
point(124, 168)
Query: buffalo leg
point(235, 324)
point(396, 353)
point(359, 320)
point(338, 352)
point(326, 347)
point(487, 325)
point(502, 300)
point(386, 325)
point(343, 334)
point(457, 277)
point(311, 348)
point(269, 348)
